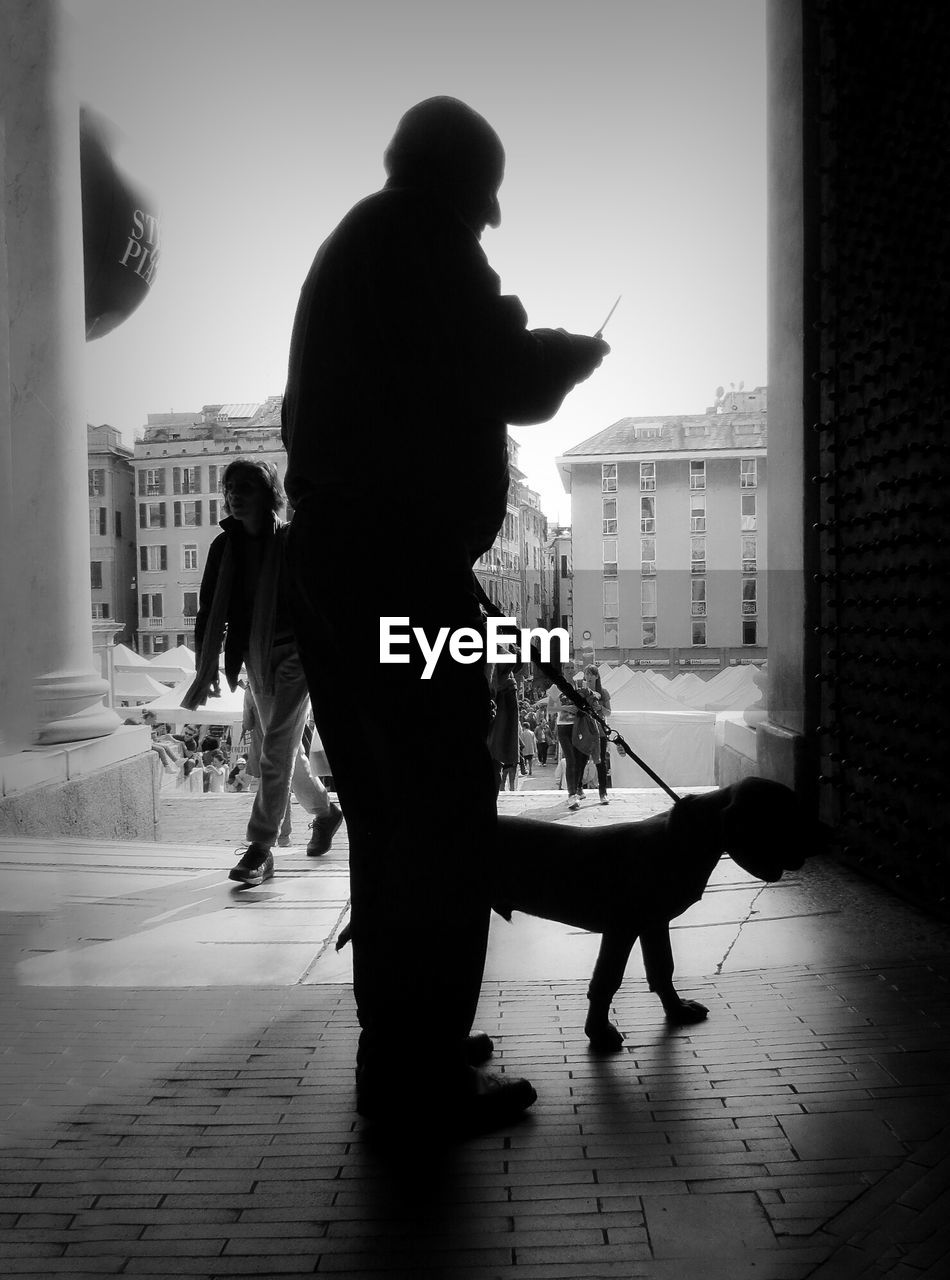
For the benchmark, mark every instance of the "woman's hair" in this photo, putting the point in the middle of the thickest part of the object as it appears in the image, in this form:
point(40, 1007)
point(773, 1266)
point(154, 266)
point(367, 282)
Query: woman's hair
point(218, 755)
point(262, 471)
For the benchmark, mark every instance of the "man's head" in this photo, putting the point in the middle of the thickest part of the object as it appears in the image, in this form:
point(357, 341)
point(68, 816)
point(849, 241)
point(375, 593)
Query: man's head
point(443, 144)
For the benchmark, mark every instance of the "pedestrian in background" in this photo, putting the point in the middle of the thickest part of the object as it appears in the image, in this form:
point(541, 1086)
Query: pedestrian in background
point(244, 602)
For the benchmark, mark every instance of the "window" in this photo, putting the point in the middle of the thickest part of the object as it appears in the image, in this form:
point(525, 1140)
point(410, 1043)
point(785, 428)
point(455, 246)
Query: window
point(610, 557)
point(187, 515)
point(95, 574)
point(611, 634)
point(648, 633)
point(610, 515)
point(608, 477)
point(186, 479)
point(189, 607)
point(647, 477)
point(153, 608)
point(697, 598)
point(100, 609)
point(189, 556)
point(152, 482)
point(647, 433)
point(749, 629)
point(698, 632)
point(564, 568)
point(697, 513)
point(697, 555)
point(697, 474)
point(118, 524)
point(152, 559)
point(213, 513)
point(97, 483)
point(648, 555)
point(214, 478)
point(159, 643)
point(98, 521)
point(611, 598)
point(747, 473)
point(151, 515)
point(648, 597)
point(748, 511)
point(647, 515)
point(749, 557)
point(750, 604)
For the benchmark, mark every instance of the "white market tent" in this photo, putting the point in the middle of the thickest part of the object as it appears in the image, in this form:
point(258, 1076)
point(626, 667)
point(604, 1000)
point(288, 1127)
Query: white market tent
point(680, 745)
point(135, 686)
point(733, 689)
point(640, 693)
point(615, 680)
point(228, 709)
point(180, 656)
point(125, 659)
point(171, 670)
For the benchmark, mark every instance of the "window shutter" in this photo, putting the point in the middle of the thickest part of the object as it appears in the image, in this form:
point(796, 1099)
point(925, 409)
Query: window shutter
point(143, 558)
point(145, 604)
point(198, 512)
point(141, 482)
point(176, 479)
point(163, 557)
point(177, 515)
point(161, 515)
point(143, 517)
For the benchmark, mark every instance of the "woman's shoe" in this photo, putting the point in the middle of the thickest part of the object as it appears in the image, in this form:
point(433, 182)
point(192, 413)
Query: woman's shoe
point(255, 867)
point(573, 802)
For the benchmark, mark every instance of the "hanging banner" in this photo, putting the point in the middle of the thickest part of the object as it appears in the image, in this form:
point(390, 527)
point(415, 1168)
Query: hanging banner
point(120, 233)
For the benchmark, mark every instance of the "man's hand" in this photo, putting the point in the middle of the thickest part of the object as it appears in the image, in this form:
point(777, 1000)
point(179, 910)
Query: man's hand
point(588, 353)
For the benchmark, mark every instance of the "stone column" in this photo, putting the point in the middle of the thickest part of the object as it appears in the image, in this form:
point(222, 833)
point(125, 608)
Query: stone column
point(55, 693)
point(780, 740)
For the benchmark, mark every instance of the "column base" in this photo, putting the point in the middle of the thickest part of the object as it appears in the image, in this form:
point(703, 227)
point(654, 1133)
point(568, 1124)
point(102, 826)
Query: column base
point(71, 707)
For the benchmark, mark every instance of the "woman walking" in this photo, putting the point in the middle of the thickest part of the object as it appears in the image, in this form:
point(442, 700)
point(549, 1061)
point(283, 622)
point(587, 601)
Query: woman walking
point(244, 601)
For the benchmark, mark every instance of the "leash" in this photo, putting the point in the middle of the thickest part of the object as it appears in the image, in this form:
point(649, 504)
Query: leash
point(553, 672)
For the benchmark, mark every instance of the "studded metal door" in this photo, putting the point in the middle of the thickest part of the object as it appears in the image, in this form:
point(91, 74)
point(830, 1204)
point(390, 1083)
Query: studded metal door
point(878, 354)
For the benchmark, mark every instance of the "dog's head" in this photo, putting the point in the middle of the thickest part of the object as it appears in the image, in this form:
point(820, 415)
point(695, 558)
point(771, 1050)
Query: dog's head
point(765, 828)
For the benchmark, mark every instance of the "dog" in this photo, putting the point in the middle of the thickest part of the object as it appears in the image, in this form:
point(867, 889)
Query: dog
point(628, 880)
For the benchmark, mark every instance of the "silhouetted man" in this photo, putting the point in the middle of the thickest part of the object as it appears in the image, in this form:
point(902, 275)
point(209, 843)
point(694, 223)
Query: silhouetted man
point(406, 366)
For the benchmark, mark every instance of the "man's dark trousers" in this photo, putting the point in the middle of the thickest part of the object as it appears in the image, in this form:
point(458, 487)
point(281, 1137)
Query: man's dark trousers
point(419, 858)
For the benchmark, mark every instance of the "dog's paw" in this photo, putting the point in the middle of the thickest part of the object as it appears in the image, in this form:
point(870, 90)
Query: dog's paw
point(605, 1039)
point(685, 1012)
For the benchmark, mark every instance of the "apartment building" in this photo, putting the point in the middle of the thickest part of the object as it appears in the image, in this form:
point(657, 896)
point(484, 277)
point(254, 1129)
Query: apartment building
point(111, 530)
point(515, 572)
point(669, 520)
point(178, 464)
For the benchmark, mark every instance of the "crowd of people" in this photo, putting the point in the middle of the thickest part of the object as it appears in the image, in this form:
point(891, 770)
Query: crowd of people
point(550, 729)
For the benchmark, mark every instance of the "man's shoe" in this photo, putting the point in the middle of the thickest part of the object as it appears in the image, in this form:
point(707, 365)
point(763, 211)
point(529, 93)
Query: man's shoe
point(479, 1047)
point(604, 800)
point(255, 867)
point(325, 827)
point(573, 802)
point(494, 1101)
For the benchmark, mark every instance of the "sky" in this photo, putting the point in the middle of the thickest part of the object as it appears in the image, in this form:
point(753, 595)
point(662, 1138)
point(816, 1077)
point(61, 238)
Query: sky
point(635, 141)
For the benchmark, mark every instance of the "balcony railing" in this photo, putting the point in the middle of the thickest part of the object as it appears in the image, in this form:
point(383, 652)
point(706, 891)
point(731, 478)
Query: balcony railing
point(156, 622)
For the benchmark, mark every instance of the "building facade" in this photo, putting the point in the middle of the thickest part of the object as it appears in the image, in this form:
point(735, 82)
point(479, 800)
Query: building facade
point(515, 572)
point(111, 530)
point(179, 463)
point(669, 521)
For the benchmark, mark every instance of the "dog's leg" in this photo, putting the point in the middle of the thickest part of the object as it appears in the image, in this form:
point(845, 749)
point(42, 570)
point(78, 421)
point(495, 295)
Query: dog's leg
point(658, 963)
point(612, 959)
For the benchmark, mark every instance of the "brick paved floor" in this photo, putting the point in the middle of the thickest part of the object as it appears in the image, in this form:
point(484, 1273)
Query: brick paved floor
point(201, 1124)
